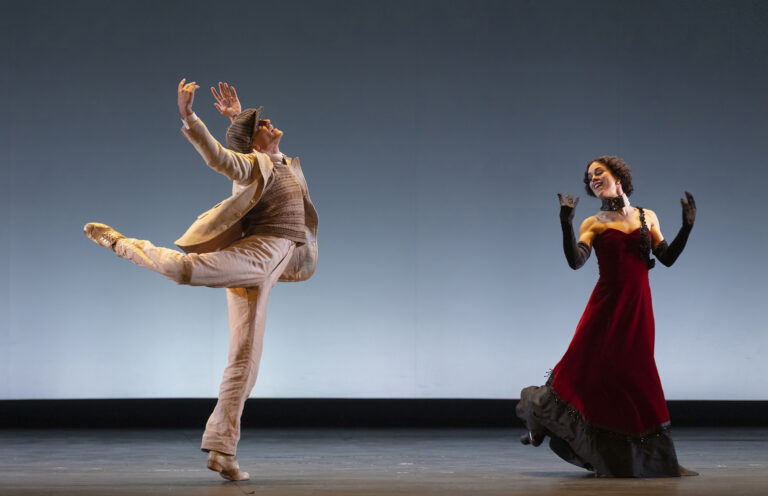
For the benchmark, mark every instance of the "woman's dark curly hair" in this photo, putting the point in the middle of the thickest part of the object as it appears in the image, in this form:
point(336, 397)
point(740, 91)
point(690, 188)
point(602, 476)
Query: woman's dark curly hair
point(618, 168)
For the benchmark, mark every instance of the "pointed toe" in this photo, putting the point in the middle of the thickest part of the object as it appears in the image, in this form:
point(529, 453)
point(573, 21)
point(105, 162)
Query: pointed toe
point(102, 234)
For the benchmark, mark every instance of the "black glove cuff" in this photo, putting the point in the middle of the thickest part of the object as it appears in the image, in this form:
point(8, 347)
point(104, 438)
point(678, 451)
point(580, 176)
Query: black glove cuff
point(566, 214)
point(668, 253)
point(575, 253)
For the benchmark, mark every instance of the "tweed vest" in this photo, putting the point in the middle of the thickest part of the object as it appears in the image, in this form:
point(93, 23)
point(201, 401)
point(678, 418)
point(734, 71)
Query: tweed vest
point(280, 211)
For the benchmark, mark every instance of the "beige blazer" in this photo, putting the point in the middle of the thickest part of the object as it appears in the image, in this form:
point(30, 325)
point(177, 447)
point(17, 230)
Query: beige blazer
point(222, 225)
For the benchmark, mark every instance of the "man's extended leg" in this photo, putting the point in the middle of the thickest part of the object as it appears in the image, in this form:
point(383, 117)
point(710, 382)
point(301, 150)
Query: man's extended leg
point(245, 263)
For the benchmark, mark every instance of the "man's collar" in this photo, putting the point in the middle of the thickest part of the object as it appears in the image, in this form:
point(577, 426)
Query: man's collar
point(278, 158)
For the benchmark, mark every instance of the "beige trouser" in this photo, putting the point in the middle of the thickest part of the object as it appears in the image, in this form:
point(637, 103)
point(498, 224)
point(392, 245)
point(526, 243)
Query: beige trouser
point(248, 269)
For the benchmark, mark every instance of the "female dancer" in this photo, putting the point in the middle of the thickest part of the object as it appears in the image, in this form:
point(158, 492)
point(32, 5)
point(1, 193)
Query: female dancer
point(603, 407)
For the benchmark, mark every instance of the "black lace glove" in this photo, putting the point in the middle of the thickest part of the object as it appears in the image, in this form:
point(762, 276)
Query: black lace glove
point(575, 253)
point(667, 254)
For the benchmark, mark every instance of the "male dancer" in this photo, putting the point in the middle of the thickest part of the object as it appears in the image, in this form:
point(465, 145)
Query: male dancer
point(265, 232)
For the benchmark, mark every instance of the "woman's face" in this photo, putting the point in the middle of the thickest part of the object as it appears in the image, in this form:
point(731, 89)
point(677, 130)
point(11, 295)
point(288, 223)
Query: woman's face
point(602, 182)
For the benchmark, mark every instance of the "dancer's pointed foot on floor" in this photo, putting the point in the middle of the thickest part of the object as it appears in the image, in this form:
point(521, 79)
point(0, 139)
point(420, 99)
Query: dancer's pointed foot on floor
point(684, 472)
point(532, 439)
point(226, 466)
point(102, 234)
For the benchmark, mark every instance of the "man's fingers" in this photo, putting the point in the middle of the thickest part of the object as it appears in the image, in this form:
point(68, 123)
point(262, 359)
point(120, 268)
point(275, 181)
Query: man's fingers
point(181, 83)
point(215, 95)
point(218, 107)
point(234, 92)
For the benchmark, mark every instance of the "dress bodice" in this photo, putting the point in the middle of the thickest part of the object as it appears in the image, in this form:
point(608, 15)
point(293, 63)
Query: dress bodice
point(619, 257)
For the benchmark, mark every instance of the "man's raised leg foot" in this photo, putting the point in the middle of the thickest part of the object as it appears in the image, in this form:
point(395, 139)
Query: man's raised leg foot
point(102, 234)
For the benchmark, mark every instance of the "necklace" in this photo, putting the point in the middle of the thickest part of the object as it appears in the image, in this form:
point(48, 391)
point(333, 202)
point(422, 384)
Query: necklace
point(613, 204)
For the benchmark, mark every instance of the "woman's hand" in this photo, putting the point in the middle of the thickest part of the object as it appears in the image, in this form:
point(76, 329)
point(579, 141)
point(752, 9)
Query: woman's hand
point(668, 253)
point(186, 97)
point(575, 253)
point(567, 207)
point(227, 102)
point(689, 210)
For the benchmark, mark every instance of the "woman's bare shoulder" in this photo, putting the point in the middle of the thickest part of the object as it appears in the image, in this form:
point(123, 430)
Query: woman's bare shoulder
point(589, 223)
point(649, 213)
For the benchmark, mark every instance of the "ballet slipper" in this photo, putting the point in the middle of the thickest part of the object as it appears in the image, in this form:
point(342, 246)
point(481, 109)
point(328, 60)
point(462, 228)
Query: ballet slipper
point(226, 466)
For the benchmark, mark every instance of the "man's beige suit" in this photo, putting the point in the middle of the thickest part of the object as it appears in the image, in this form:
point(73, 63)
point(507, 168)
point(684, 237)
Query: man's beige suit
point(219, 256)
point(220, 226)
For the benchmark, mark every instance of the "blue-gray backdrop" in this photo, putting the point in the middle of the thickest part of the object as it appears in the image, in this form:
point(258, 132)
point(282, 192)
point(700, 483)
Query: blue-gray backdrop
point(434, 136)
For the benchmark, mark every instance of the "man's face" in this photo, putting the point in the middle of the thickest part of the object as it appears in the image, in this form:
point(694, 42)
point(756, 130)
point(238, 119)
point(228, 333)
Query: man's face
point(267, 136)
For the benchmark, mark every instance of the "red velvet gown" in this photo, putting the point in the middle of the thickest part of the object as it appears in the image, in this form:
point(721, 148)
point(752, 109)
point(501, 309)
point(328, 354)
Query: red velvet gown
point(603, 406)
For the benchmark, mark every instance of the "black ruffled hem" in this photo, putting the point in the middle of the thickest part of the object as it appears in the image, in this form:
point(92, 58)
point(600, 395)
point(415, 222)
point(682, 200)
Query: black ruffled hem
point(610, 453)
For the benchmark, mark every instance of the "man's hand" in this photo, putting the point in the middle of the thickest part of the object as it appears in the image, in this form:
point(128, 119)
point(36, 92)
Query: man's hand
point(227, 102)
point(186, 97)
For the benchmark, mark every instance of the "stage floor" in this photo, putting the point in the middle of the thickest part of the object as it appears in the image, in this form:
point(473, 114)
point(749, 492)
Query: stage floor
point(732, 462)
